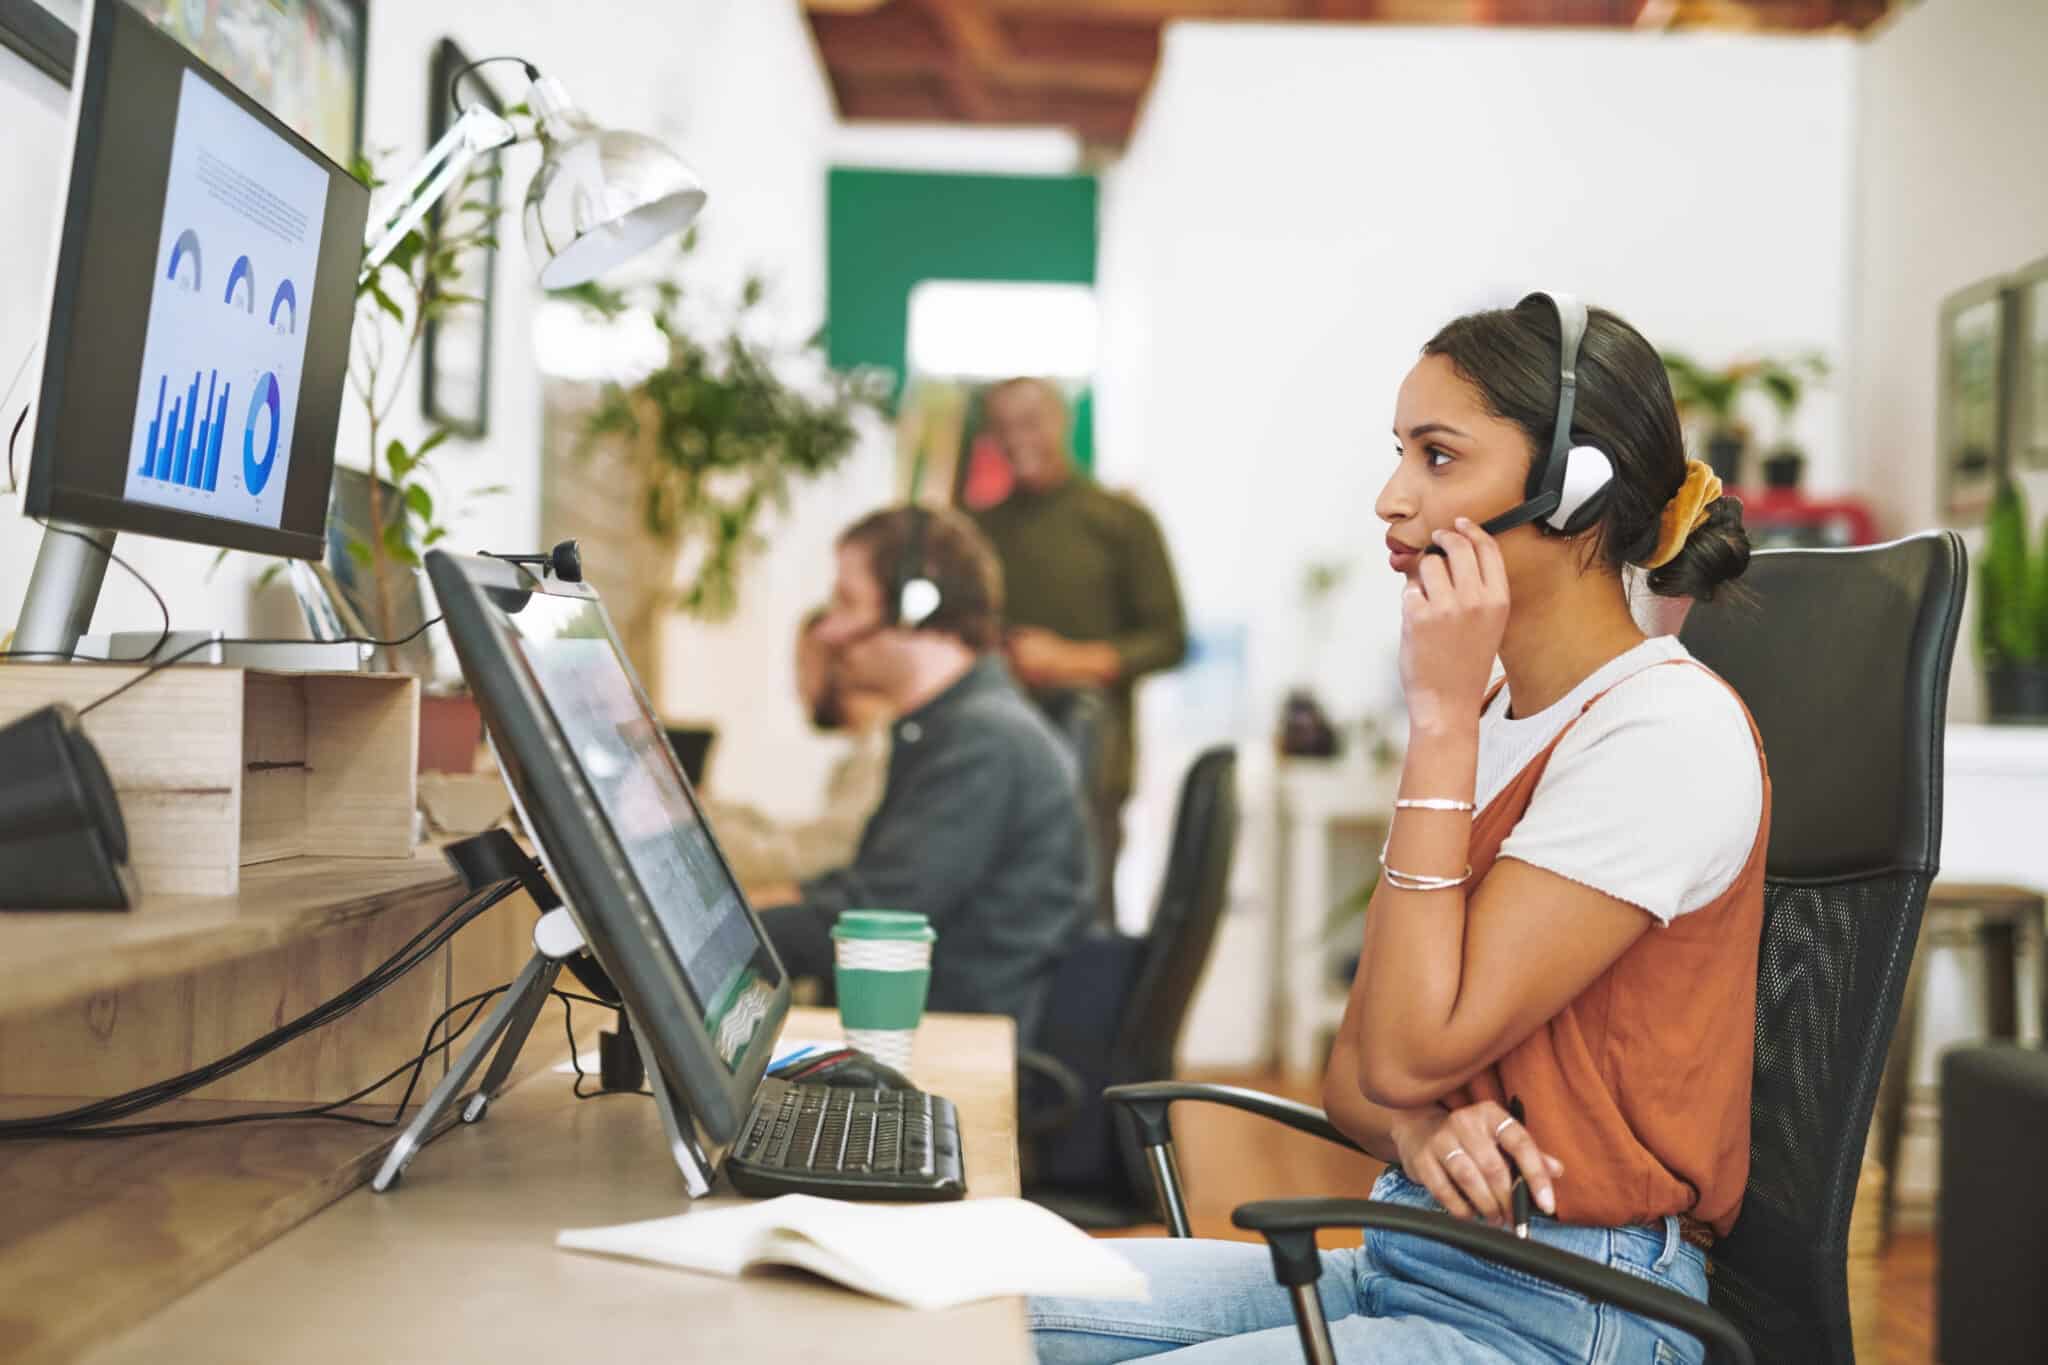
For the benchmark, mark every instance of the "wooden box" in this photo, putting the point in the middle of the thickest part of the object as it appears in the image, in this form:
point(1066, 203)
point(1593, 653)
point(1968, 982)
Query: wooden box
point(220, 767)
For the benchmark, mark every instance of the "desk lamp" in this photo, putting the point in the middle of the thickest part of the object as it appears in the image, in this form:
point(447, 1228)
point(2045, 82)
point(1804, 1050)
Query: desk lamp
point(600, 197)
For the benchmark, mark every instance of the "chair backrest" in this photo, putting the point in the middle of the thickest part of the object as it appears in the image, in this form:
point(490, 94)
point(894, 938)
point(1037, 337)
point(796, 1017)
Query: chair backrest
point(1118, 1002)
point(1843, 659)
point(1192, 894)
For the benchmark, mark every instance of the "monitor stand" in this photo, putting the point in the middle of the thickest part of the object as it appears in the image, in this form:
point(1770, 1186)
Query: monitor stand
point(63, 588)
point(556, 939)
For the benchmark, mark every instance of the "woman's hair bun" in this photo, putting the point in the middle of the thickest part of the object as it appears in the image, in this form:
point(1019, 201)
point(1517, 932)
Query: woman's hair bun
point(1715, 553)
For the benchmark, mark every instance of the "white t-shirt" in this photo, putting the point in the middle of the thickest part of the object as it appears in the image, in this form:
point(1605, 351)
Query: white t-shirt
point(1655, 795)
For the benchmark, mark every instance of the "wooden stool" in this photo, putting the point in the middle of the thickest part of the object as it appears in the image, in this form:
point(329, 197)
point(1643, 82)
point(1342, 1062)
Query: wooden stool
point(1958, 992)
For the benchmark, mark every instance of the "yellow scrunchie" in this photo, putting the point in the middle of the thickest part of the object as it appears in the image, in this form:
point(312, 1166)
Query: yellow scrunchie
point(1684, 514)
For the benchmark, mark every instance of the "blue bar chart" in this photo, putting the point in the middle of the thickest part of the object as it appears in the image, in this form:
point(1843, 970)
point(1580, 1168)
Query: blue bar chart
point(182, 447)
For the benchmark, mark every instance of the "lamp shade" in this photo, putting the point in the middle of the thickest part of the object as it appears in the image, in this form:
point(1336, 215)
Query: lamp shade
point(601, 197)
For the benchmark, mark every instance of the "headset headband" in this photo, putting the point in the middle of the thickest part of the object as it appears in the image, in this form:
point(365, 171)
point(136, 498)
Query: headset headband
point(1571, 331)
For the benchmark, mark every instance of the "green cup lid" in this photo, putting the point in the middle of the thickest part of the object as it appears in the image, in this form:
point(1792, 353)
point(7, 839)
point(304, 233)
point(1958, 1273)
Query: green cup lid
point(907, 925)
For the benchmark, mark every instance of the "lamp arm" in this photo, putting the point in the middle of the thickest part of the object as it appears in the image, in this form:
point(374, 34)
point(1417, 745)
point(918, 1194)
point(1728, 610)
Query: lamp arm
point(476, 132)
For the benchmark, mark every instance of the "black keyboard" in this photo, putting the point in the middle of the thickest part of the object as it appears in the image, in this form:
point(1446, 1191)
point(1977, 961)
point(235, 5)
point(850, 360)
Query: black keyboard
point(848, 1144)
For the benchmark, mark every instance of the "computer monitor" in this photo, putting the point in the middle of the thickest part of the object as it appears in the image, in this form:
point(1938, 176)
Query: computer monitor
point(200, 309)
point(620, 831)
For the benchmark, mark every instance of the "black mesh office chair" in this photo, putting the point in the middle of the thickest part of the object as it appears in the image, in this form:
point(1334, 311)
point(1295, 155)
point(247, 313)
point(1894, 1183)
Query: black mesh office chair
point(1117, 1007)
point(1844, 662)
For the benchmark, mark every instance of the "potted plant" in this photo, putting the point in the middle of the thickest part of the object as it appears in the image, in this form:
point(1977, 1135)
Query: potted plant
point(1785, 383)
point(716, 435)
point(2012, 612)
point(412, 287)
point(1713, 396)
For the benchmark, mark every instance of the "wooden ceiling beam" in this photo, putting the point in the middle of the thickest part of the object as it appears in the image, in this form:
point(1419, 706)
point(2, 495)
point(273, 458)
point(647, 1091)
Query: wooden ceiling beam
point(1157, 11)
point(1099, 78)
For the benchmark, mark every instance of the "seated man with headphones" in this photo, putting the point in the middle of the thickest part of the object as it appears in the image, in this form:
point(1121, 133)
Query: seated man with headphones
point(980, 826)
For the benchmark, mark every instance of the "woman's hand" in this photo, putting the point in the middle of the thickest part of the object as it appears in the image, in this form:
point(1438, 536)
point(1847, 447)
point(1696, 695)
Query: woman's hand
point(1457, 1156)
point(1452, 616)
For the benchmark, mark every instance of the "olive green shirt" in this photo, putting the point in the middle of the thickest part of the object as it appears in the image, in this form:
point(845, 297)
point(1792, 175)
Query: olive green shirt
point(1090, 564)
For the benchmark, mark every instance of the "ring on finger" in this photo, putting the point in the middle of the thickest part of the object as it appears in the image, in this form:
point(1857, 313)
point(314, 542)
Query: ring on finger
point(1503, 1125)
point(1455, 1151)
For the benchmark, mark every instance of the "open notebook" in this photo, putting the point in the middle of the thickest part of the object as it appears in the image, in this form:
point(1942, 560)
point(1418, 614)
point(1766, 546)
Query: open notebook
point(926, 1256)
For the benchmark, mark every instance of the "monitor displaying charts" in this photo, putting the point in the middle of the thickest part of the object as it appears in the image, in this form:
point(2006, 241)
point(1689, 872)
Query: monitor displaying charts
point(200, 307)
point(223, 358)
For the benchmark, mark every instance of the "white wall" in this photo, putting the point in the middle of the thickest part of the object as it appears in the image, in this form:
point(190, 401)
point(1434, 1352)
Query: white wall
point(1951, 104)
point(1301, 208)
point(736, 86)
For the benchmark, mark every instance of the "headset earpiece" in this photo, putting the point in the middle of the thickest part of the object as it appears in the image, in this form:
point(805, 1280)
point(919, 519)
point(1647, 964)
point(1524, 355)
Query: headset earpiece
point(1587, 475)
point(913, 597)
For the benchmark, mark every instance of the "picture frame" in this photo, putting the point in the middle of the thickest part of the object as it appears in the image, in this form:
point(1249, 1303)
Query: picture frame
point(43, 33)
point(303, 60)
point(2028, 316)
point(1971, 408)
point(455, 347)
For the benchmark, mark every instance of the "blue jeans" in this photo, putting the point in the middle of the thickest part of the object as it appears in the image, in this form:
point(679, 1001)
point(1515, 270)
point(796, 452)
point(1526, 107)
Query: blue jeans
point(1396, 1300)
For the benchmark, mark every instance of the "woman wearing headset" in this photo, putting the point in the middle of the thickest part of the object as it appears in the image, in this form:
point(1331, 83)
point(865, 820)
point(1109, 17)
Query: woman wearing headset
point(1572, 893)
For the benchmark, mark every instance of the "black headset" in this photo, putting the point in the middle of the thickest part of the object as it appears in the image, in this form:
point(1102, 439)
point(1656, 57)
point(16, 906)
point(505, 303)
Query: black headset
point(1567, 488)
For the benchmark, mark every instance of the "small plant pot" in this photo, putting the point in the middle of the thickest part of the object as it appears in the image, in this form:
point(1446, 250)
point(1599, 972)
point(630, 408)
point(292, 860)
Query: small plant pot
point(2018, 693)
point(451, 728)
point(1724, 456)
point(1783, 467)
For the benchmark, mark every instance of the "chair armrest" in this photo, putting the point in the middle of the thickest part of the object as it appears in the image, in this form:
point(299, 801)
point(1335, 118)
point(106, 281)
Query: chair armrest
point(1148, 1102)
point(1289, 1225)
point(1073, 1093)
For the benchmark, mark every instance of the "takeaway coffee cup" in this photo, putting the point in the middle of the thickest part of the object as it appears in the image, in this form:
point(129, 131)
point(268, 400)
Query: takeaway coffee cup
point(884, 967)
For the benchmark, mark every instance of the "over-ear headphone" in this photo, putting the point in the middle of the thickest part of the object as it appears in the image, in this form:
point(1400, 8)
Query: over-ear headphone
point(1568, 486)
point(913, 598)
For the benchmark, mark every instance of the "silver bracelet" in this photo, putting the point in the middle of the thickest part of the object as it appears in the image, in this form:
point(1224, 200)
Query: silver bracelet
point(1431, 803)
point(1415, 881)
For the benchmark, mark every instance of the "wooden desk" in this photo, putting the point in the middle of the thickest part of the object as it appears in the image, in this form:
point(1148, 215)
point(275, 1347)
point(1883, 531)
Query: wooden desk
point(459, 1262)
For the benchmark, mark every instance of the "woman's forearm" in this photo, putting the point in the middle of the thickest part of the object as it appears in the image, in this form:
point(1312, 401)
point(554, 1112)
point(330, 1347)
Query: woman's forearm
point(1369, 1125)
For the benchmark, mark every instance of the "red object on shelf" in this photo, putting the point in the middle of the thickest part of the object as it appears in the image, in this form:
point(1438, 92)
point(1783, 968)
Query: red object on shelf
point(1785, 516)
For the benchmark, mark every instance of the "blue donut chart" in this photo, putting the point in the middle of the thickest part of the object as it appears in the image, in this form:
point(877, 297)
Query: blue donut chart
point(287, 299)
point(243, 273)
point(256, 473)
point(188, 245)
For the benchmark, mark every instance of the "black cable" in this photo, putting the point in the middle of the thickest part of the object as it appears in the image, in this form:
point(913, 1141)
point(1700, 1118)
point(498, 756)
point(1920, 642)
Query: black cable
point(13, 483)
point(455, 81)
point(108, 551)
point(420, 947)
point(198, 645)
point(330, 1109)
point(576, 1061)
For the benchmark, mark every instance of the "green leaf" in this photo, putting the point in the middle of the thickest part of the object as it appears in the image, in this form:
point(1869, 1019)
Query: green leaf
point(269, 574)
point(491, 490)
point(219, 558)
point(359, 551)
point(436, 534)
point(420, 502)
point(396, 546)
point(407, 251)
point(398, 462)
point(385, 301)
point(434, 438)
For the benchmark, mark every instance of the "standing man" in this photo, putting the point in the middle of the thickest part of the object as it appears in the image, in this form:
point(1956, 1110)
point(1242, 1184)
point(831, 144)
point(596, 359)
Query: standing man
point(1092, 598)
point(980, 827)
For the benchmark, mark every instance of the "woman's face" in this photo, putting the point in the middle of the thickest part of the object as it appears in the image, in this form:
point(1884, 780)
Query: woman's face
point(1453, 459)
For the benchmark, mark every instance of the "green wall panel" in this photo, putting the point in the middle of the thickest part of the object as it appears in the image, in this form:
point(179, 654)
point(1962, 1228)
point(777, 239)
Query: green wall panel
point(888, 230)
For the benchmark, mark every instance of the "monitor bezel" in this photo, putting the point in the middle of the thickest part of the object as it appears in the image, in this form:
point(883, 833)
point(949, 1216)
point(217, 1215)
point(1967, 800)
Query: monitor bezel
point(46, 494)
point(595, 879)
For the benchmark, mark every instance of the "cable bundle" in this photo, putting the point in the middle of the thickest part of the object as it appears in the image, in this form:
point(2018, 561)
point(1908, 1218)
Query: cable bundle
point(100, 1117)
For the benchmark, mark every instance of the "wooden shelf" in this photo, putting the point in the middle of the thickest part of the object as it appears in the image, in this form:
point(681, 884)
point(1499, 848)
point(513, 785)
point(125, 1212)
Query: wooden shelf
point(54, 959)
